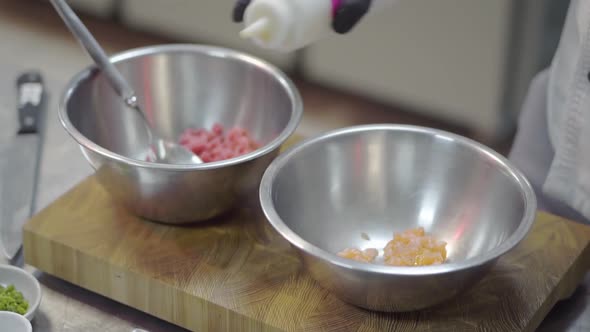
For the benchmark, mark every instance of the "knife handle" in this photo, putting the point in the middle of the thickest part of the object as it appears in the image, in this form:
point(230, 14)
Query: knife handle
point(30, 90)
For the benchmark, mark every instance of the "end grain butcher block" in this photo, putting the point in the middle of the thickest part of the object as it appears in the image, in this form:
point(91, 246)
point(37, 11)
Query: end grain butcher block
point(237, 274)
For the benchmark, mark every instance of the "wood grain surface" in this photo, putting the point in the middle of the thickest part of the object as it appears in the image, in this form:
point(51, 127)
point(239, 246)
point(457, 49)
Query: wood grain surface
point(236, 274)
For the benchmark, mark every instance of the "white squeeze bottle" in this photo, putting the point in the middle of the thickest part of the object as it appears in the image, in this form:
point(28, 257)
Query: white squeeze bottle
point(287, 25)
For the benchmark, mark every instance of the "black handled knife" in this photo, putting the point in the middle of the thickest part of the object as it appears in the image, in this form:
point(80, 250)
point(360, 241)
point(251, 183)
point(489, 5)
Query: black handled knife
point(19, 163)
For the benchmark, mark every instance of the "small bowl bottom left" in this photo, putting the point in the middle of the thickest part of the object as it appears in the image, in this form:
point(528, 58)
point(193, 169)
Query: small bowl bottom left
point(25, 283)
point(13, 322)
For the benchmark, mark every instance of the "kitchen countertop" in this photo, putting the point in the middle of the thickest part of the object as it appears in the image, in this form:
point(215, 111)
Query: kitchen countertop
point(66, 307)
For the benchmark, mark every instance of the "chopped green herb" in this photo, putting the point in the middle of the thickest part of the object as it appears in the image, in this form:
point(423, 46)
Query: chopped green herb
point(12, 300)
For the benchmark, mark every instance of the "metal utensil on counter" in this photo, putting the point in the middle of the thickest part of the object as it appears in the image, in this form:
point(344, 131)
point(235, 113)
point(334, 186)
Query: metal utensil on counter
point(162, 151)
point(19, 161)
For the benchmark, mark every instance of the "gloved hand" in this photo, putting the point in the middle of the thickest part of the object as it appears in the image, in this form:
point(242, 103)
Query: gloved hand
point(346, 14)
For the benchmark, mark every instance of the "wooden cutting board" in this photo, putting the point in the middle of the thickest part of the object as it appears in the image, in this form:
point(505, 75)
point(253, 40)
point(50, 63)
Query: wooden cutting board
point(237, 274)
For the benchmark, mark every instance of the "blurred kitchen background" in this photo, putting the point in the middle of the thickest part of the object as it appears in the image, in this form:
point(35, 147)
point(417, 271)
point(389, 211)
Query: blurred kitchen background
point(459, 65)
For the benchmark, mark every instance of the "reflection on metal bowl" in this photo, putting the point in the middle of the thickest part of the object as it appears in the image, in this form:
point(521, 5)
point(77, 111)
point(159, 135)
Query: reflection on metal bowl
point(339, 189)
point(180, 86)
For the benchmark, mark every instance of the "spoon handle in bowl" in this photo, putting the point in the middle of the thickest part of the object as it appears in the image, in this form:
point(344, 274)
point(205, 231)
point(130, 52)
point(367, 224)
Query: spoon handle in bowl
point(90, 44)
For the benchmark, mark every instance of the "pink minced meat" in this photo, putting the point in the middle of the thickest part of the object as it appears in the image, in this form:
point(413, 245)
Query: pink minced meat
point(215, 145)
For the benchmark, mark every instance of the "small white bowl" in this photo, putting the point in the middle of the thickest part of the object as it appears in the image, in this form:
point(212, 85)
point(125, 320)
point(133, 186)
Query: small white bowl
point(25, 283)
point(13, 322)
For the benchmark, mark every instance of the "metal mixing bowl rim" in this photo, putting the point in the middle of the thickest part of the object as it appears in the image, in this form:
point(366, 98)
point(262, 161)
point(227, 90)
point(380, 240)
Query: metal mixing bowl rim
point(210, 50)
point(266, 194)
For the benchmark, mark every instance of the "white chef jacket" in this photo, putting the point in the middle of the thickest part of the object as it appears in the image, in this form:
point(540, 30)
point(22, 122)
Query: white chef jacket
point(552, 146)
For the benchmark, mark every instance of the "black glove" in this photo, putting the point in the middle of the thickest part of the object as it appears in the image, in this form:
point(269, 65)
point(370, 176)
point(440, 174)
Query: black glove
point(346, 16)
point(239, 10)
point(349, 14)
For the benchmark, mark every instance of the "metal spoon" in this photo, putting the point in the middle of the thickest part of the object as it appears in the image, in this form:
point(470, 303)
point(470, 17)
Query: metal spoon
point(162, 150)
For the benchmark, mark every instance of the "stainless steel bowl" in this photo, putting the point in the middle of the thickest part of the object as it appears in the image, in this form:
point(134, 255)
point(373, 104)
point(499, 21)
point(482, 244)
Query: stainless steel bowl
point(180, 86)
point(324, 193)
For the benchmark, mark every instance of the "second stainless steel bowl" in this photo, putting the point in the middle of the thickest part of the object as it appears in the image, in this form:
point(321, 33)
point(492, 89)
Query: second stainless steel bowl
point(329, 192)
point(180, 86)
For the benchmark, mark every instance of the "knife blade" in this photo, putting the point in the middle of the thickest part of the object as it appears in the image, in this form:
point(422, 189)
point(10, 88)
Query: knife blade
point(19, 163)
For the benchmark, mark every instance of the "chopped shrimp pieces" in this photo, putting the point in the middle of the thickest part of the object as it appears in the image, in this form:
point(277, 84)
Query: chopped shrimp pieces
point(409, 248)
point(366, 256)
point(414, 248)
